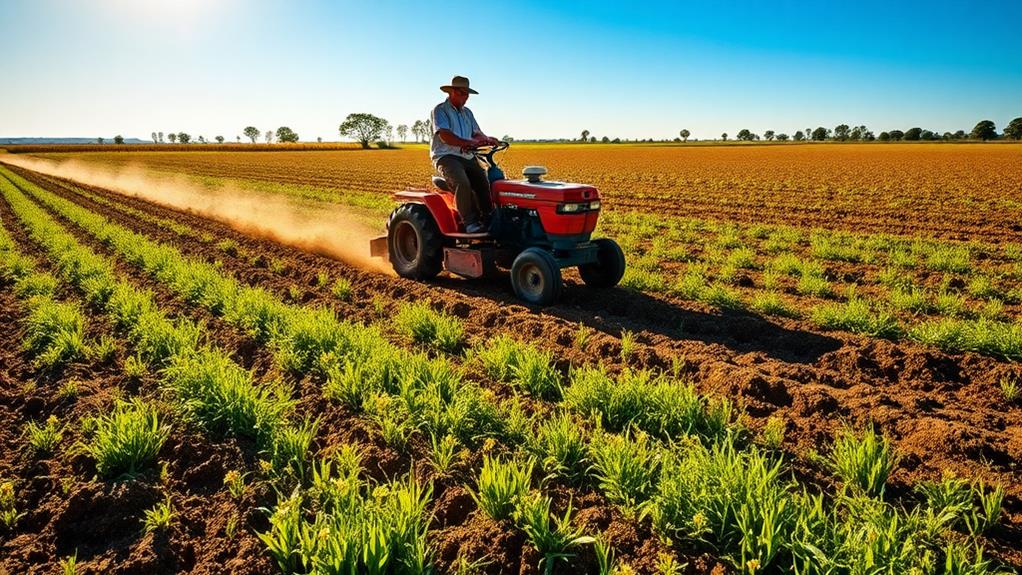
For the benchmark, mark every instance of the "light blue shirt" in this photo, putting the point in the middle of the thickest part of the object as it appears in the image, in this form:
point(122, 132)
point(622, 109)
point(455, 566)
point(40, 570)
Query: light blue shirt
point(461, 123)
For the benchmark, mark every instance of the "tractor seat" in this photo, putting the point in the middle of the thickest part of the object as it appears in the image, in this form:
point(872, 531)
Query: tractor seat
point(441, 183)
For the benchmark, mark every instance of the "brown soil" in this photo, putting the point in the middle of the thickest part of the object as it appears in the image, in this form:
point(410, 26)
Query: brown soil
point(944, 412)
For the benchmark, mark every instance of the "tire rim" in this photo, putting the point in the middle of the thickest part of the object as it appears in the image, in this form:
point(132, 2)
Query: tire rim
point(531, 281)
point(406, 243)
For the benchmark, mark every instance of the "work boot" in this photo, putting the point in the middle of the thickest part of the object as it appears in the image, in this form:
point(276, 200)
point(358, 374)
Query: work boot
point(475, 228)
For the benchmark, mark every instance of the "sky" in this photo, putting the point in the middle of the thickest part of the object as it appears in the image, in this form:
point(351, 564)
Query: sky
point(544, 69)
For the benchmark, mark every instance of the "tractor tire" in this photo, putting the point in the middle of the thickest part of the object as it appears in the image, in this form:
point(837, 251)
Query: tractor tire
point(608, 268)
point(414, 242)
point(536, 277)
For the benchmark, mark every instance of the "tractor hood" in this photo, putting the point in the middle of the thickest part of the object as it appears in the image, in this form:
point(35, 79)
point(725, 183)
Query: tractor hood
point(524, 192)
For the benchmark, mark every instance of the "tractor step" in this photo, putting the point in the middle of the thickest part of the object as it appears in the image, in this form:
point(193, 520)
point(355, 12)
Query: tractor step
point(461, 236)
point(378, 247)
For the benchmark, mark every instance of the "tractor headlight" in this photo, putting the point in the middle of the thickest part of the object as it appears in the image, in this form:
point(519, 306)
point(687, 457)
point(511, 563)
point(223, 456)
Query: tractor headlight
point(576, 208)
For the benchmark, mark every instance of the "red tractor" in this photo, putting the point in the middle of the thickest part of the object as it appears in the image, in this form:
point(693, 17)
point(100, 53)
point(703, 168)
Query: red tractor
point(538, 227)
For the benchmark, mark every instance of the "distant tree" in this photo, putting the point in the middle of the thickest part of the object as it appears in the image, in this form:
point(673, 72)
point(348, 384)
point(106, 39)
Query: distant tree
point(868, 136)
point(389, 131)
point(269, 136)
point(782, 137)
point(616, 141)
point(99, 140)
point(885, 137)
point(744, 135)
point(418, 130)
point(959, 135)
point(402, 132)
point(585, 135)
point(820, 134)
point(160, 135)
point(252, 133)
point(929, 135)
point(724, 136)
point(1014, 129)
point(605, 140)
point(913, 134)
point(947, 136)
point(799, 136)
point(118, 139)
point(202, 139)
point(155, 140)
point(857, 133)
point(363, 127)
point(984, 130)
point(219, 139)
point(238, 138)
point(183, 137)
point(507, 138)
point(842, 132)
point(172, 137)
point(684, 135)
point(897, 135)
point(769, 135)
point(319, 139)
point(287, 135)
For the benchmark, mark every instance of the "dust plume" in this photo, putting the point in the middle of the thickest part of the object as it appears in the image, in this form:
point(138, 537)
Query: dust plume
point(326, 229)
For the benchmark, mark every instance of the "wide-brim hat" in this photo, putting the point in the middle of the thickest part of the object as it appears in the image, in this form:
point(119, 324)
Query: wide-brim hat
point(458, 82)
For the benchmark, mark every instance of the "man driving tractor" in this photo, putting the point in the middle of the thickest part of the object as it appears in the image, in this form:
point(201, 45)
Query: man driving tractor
point(455, 134)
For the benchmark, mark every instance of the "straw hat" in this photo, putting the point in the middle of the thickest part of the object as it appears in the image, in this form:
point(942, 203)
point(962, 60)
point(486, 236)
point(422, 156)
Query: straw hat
point(458, 82)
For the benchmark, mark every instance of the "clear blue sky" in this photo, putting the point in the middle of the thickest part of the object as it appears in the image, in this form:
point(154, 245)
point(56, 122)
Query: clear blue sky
point(543, 69)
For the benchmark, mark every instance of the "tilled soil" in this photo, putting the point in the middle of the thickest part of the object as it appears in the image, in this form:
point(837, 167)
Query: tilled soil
point(944, 412)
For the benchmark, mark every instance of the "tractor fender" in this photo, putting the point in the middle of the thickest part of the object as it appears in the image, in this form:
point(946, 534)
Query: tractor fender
point(440, 205)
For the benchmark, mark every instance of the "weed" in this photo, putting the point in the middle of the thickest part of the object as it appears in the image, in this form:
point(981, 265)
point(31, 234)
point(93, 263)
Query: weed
point(560, 445)
point(773, 432)
point(527, 368)
point(35, 284)
point(43, 439)
point(296, 293)
point(396, 425)
point(424, 325)
point(984, 336)
point(69, 564)
point(551, 539)
point(772, 303)
point(291, 448)
point(500, 486)
point(234, 480)
point(443, 453)
point(721, 297)
point(814, 285)
point(68, 390)
point(948, 303)
point(341, 289)
point(606, 562)
point(277, 266)
point(946, 258)
point(159, 517)
point(785, 264)
point(228, 246)
point(983, 286)
point(583, 334)
point(102, 350)
point(863, 461)
point(742, 258)
point(56, 333)
point(988, 513)
point(9, 514)
point(950, 497)
point(134, 367)
point(772, 281)
point(857, 316)
point(625, 466)
point(126, 440)
point(1010, 389)
point(910, 299)
point(322, 278)
point(991, 310)
point(628, 345)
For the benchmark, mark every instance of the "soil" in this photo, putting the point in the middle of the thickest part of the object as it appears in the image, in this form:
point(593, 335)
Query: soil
point(944, 412)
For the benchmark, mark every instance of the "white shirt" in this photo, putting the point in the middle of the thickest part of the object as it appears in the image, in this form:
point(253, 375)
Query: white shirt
point(461, 123)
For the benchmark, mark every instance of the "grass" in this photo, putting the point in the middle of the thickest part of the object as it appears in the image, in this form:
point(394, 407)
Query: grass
point(772, 303)
point(56, 333)
point(126, 441)
point(501, 485)
point(863, 461)
point(9, 514)
point(525, 367)
point(625, 467)
point(342, 290)
point(427, 326)
point(772, 435)
point(1010, 389)
point(856, 315)
point(158, 518)
point(560, 445)
point(814, 285)
point(985, 336)
point(43, 439)
point(552, 536)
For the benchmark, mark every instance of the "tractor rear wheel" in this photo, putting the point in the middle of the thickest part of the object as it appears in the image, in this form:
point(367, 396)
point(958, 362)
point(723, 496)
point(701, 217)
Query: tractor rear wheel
point(608, 268)
point(536, 277)
point(414, 242)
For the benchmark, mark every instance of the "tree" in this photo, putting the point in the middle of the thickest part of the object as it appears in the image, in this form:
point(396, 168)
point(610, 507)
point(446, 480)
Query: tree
point(269, 136)
point(238, 138)
point(684, 135)
point(118, 139)
point(219, 139)
point(155, 140)
point(1014, 129)
point(252, 133)
point(402, 131)
point(172, 137)
point(769, 135)
point(202, 139)
point(605, 140)
point(724, 136)
point(418, 129)
point(782, 137)
point(364, 127)
point(929, 135)
point(183, 137)
point(287, 135)
point(913, 134)
point(820, 134)
point(160, 134)
point(585, 135)
point(389, 131)
point(842, 132)
point(744, 135)
point(799, 136)
point(984, 130)
point(884, 137)
point(897, 135)
point(868, 136)
point(99, 140)
point(959, 135)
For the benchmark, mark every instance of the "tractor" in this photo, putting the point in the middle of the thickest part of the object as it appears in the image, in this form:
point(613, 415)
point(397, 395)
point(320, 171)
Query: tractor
point(538, 227)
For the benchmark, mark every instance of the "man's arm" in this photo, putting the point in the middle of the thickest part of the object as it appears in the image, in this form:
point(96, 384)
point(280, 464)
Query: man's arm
point(477, 132)
point(448, 137)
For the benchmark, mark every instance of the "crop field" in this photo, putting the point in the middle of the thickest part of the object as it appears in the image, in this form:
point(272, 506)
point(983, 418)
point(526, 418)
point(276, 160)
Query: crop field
point(811, 367)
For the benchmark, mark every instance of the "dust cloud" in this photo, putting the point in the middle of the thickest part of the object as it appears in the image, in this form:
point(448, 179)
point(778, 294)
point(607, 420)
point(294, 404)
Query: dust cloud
point(325, 229)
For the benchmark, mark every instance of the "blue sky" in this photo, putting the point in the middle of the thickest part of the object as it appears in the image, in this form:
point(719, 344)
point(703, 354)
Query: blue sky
point(543, 69)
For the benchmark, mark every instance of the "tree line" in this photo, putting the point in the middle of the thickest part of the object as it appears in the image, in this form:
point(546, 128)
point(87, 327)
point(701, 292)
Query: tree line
point(984, 130)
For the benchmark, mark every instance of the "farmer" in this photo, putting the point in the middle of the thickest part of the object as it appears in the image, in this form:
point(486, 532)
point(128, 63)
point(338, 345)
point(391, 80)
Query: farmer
point(455, 134)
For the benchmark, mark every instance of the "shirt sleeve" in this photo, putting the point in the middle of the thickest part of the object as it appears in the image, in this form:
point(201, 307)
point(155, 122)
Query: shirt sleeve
point(441, 121)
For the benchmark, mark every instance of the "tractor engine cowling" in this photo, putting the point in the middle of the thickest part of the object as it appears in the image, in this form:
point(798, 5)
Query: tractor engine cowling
point(564, 209)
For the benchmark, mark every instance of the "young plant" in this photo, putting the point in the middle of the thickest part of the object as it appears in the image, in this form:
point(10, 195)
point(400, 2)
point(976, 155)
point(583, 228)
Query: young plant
point(427, 326)
point(560, 445)
point(863, 461)
point(443, 453)
point(583, 334)
point(43, 439)
point(126, 441)
point(500, 485)
point(628, 345)
point(69, 564)
point(1010, 388)
point(234, 480)
point(68, 389)
point(159, 517)
point(552, 539)
point(56, 333)
point(341, 289)
point(9, 514)
point(988, 513)
point(773, 432)
point(625, 467)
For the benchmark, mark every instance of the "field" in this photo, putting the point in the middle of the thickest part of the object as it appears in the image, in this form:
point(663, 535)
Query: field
point(811, 366)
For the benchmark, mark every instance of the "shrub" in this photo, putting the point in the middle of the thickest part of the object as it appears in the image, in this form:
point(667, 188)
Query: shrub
point(427, 326)
point(863, 461)
point(126, 441)
point(500, 486)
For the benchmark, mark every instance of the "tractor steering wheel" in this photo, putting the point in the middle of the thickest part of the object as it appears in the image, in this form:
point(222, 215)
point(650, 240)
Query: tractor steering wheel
point(486, 152)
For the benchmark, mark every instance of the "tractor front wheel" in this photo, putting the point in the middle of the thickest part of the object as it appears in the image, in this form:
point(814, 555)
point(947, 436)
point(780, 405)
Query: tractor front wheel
point(414, 242)
point(608, 268)
point(536, 277)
